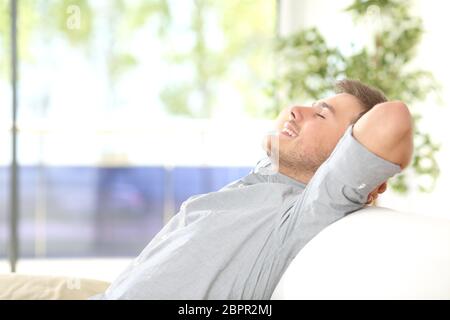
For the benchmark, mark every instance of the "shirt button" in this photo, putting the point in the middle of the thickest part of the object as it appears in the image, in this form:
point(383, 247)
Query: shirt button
point(362, 186)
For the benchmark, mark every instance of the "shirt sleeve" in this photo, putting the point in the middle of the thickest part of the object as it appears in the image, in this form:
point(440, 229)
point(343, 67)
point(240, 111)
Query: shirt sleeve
point(340, 186)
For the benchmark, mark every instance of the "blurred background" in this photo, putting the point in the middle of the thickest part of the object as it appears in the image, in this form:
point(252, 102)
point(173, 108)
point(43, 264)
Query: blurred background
point(128, 107)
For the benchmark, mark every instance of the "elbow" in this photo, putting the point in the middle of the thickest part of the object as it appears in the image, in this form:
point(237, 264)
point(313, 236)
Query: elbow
point(399, 129)
point(387, 130)
point(396, 119)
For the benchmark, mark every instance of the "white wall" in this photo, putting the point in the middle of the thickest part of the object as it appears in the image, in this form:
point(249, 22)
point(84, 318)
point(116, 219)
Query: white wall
point(433, 55)
point(434, 52)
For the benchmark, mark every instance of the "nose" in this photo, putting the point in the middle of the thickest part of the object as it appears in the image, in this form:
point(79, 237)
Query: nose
point(297, 113)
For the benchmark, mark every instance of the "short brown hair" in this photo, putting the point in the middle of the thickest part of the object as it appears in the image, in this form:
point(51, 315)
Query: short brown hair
point(368, 96)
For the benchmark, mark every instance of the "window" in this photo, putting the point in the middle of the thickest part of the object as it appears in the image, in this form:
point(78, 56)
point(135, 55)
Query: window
point(5, 141)
point(127, 108)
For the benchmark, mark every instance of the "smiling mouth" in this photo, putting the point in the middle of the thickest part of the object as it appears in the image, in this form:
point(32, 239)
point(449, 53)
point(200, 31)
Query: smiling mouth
point(289, 131)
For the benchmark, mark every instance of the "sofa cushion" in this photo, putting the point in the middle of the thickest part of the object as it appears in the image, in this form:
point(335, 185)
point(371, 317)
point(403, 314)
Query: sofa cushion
point(31, 287)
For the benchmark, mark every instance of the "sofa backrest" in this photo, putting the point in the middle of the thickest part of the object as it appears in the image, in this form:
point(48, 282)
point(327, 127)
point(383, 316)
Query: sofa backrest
point(375, 253)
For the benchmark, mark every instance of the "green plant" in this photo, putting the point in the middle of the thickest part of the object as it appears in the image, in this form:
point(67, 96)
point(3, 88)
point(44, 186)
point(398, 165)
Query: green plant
point(309, 67)
point(46, 20)
point(230, 50)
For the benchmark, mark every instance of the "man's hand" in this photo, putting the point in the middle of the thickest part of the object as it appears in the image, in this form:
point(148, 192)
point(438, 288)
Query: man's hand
point(374, 194)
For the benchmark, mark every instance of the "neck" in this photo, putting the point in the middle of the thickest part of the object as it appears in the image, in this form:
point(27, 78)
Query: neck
point(296, 174)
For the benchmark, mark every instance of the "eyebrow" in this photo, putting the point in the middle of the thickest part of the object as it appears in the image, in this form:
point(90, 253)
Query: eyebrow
point(326, 105)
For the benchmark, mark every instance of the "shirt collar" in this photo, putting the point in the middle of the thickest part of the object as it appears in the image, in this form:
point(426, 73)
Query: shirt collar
point(265, 172)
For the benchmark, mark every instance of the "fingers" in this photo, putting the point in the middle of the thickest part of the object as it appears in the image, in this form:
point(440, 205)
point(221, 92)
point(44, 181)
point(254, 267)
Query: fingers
point(374, 194)
point(371, 198)
point(382, 187)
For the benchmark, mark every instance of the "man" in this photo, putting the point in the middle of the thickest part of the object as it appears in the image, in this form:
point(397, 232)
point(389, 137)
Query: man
point(334, 158)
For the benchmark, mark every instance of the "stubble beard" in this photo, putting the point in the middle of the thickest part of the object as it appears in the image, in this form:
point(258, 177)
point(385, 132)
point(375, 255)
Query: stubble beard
point(301, 162)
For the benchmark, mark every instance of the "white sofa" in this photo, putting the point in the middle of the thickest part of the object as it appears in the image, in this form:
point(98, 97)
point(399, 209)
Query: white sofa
point(375, 253)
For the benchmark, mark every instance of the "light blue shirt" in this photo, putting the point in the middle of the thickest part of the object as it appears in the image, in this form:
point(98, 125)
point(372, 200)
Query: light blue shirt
point(237, 242)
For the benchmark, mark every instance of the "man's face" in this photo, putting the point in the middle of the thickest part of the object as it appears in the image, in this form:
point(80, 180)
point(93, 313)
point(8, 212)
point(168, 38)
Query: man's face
point(308, 134)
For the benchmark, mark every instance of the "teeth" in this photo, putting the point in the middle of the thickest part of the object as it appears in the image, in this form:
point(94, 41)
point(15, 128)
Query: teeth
point(289, 132)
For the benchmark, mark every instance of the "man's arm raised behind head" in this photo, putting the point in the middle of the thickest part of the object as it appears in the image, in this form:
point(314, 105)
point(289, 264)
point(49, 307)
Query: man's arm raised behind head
point(370, 152)
point(387, 131)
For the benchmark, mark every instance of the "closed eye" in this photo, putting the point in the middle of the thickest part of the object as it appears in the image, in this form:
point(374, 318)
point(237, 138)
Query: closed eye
point(319, 115)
